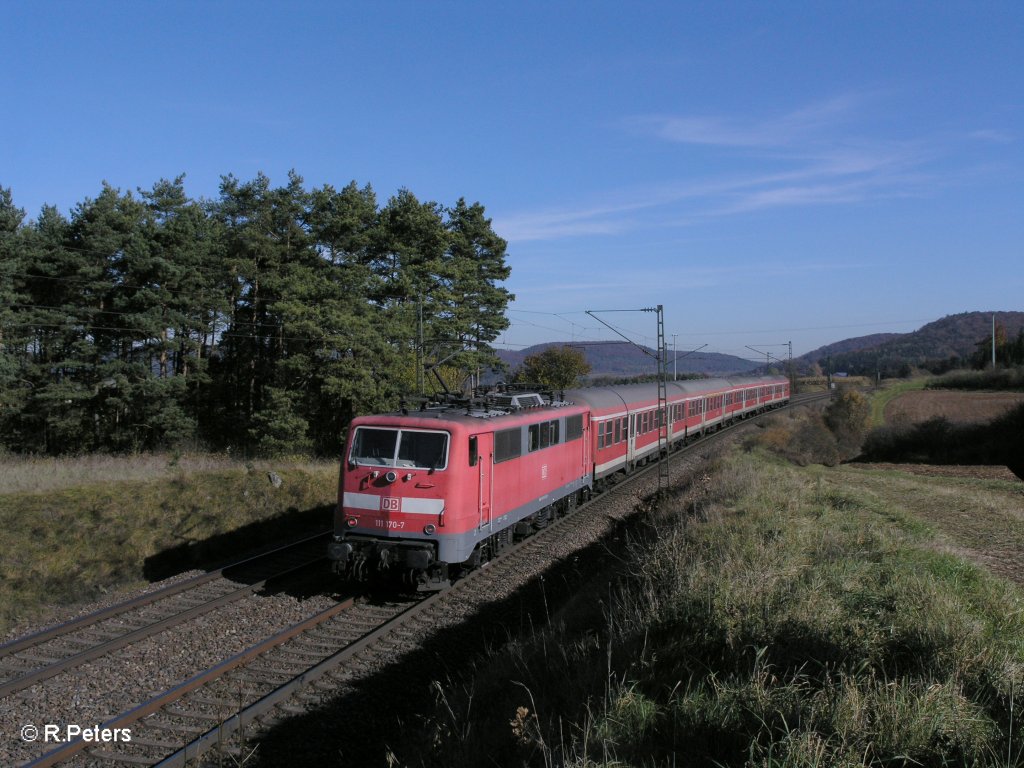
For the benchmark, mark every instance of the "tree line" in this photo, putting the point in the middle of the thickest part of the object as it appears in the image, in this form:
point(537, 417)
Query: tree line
point(261, 321)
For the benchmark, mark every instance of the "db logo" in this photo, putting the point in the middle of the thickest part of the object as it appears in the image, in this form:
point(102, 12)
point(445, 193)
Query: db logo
point(390, 503)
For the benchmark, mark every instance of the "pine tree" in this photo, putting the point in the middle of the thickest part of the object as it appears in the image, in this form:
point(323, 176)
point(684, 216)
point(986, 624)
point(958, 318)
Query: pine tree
point(477, 256)
point(13, 338)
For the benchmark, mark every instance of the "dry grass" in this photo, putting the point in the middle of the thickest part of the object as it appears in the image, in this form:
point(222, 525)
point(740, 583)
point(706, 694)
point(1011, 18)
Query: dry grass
point(42, 474)
point(80, 527)
point(776, 616)
point(981, 518)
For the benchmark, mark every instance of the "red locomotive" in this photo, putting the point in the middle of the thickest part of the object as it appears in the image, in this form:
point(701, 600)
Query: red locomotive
point(426, 493)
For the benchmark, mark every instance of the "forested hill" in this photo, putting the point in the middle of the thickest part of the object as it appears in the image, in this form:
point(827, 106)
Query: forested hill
point(614, 358)
point(261, 321)
point(954, 341)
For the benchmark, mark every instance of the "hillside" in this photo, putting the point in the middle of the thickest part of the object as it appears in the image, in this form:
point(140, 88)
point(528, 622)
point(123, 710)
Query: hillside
point(937, 346)
point(614, 358)
point(849, 345)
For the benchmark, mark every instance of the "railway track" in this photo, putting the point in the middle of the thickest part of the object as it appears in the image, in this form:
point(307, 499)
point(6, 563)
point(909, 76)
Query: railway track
point(307, 662)
point(29, 660)
point(181, 723)
point(76, 652)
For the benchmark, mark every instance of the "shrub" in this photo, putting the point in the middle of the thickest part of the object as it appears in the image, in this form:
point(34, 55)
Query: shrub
point(849, 418)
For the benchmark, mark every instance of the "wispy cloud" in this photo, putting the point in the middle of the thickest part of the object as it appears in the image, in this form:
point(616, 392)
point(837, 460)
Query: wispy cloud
point(989, 134)
point(785, 130)
point(810, 156)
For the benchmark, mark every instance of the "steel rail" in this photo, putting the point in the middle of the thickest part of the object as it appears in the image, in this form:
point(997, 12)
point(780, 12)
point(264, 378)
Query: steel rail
point(37, 638)
point(119, 642)
point(262, 706)
point(66, 751)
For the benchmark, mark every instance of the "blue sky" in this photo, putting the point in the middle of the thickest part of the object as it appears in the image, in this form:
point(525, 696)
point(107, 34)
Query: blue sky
point(769, 172)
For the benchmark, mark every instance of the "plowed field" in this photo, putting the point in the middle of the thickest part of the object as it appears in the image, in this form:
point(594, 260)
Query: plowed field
point(979, 510)
point(961, 407)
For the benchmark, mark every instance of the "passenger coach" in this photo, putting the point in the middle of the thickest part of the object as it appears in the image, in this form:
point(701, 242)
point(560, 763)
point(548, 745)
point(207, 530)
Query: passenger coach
point(626, 419)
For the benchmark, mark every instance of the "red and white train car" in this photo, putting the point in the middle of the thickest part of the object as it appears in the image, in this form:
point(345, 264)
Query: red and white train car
point(626, 420)
point(448, 486)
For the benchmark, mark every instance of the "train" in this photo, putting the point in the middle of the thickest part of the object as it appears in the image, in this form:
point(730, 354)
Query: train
point(428, 494)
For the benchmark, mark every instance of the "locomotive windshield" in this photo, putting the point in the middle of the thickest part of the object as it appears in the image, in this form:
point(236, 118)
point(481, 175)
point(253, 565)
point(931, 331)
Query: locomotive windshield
point(414, 449)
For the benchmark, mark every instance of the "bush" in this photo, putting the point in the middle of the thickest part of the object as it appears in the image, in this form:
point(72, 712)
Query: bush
point(993, 378)
point(803, 439)
point(938, 441)
point(849, 418)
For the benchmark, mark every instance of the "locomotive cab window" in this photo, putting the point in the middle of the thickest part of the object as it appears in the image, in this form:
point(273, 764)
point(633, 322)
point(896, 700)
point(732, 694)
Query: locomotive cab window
point(414, 449)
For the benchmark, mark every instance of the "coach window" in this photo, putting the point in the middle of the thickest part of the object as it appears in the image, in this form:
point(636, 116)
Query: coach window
point(618, 433)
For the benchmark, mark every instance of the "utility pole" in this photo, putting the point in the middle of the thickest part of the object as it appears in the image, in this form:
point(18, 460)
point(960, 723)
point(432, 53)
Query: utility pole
point(674, 358)
point(993, 340)
point(420, 383)
point(792, 373)
point(662, 359)
point(663, 443)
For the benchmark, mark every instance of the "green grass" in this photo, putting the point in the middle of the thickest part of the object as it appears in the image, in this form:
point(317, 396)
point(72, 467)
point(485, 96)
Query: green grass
point(71, 545)
point(806, 622)
point(889, 392)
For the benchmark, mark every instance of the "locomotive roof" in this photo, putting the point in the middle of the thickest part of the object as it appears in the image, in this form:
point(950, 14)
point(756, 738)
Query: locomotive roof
point(476, 410)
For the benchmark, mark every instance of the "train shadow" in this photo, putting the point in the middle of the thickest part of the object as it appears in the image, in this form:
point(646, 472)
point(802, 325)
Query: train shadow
point(369, 716)
point(249, 540)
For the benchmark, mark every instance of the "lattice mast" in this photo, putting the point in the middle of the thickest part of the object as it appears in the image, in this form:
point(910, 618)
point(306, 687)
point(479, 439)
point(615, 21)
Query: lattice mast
point(662, 359)
point(663, 426)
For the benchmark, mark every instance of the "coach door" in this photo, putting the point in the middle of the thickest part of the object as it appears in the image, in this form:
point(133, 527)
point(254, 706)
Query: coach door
point(631, 445)
point(481, 457)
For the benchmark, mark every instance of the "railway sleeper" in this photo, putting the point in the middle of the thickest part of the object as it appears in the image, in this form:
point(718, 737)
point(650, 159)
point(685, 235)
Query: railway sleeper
point(121, 757)
point(142, 741)
point(175, 727)
point(193, 714)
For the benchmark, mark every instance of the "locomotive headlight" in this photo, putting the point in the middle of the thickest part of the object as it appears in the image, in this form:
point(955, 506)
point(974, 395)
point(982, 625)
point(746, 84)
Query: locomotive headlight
point(429, 529)
point(391, 477)
point(351, 522)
